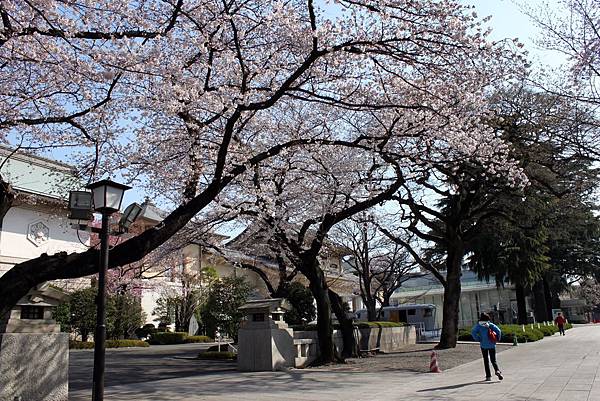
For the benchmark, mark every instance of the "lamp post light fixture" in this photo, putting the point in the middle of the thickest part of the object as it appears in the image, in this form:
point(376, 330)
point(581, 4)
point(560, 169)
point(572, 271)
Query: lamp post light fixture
point(107, 198)
point(130, 215)
point(80, 205)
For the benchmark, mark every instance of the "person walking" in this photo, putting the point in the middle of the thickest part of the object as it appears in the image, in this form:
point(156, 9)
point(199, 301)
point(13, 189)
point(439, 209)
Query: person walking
point(488, 334)
point(560, 322)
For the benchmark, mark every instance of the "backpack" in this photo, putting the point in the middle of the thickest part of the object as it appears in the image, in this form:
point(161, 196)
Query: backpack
point(492, 336)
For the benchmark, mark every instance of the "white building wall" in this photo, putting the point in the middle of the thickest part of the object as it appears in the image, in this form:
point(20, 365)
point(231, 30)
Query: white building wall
point(20, 242)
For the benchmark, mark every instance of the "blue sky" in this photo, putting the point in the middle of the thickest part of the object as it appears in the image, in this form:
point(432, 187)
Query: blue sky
point(508, 21)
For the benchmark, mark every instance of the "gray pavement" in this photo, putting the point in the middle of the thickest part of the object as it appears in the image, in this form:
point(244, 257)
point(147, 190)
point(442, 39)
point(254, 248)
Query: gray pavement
point(138, 365)
point(555, 369)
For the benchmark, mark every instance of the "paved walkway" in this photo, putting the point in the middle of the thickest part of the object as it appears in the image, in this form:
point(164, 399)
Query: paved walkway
point(555, 369)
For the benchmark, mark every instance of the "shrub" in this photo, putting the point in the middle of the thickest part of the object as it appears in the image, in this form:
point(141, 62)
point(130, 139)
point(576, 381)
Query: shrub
point(126, 343)
point(217, 355)
point(510, 331)
point(360, 325)
point(304, 327)
point(109, 344)
point(198, 339)
point(548, 330)
point(145, 330)
point(81, 344)
point(464, 335)
point(167, 338)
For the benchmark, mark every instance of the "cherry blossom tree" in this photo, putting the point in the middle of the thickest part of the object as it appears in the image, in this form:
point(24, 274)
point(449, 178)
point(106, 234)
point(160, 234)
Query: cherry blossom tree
point(299, 199)
point(184, 98)
point(572, 27)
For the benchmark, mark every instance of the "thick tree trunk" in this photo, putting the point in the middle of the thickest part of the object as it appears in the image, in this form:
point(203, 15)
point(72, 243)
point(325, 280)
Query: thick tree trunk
point(548, 296)
point(386, 299)
point(539, 298)
point(521, 304)
point(7, 198)
point(371, 305)
point(347, 328)
point(452, 291)
point(319, 289)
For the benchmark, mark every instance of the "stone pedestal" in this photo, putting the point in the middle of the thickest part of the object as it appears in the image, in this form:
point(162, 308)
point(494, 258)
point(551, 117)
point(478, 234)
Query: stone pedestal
point(34, 366)
point(264, 339)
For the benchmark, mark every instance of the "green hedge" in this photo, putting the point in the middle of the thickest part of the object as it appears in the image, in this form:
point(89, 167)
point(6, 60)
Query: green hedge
point(217, 355)
point(198, 339)
point(167, 338)
point(510, 331)
point(360, 325)
point(126, 343)
point(366, 325)
point(548, 330)
point(109, 344)
point(81, 344)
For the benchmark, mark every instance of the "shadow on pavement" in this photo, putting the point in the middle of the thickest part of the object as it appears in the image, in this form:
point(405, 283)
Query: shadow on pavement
point(455, 386)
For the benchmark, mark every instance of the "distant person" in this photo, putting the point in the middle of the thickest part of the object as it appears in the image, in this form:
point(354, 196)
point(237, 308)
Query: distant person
point(488, 334)
point(560, 322)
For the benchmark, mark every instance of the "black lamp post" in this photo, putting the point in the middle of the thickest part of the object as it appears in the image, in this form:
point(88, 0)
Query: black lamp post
point(107, 197)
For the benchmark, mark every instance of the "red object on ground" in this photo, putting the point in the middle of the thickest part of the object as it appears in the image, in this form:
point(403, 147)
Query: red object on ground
point(433, 365)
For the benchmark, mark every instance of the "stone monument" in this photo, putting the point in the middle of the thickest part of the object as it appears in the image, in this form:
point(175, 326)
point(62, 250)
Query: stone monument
point(265, 342)
point(34, 354)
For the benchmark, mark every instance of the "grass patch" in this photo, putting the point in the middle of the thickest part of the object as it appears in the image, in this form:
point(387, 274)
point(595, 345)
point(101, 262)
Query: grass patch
point(223, 355)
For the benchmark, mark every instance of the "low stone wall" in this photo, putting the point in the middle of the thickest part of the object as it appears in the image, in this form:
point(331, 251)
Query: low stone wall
point(386, 339)
point(34, 367)
point(381, 339)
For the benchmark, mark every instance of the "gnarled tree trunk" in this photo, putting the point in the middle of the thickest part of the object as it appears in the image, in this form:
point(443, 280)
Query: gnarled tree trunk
point(346, 327)
point(452, 289)
point(539, 297)
point(521, 304)
point(318, 287)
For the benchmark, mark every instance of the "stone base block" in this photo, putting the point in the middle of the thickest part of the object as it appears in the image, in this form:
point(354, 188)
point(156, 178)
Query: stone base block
point(265, 349)
point(34, 367)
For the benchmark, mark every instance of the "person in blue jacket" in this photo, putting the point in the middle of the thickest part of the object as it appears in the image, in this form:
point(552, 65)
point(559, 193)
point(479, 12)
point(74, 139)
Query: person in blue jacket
point(480, 332)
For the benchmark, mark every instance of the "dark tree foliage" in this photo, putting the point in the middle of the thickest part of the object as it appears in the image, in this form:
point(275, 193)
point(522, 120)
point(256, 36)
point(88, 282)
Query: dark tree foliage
point(124, 314)
point(302, 302)
point(80, 316)
point(220, 312)
point(548, 232)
